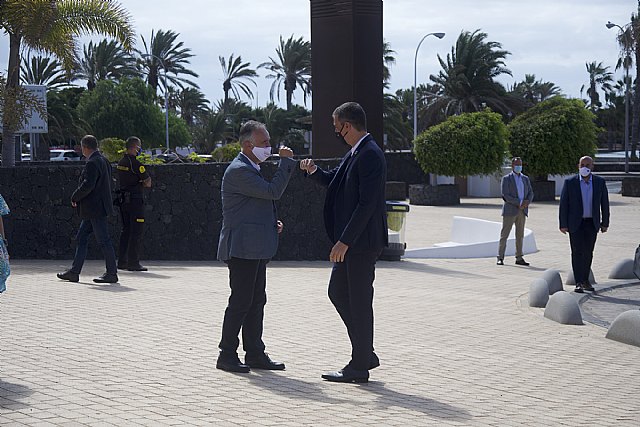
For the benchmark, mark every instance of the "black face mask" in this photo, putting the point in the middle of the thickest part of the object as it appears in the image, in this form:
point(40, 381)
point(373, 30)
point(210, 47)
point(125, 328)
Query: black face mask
point(339, 134)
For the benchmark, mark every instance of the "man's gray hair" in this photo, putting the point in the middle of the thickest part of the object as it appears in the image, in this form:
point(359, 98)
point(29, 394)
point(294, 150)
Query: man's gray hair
point(247, 130)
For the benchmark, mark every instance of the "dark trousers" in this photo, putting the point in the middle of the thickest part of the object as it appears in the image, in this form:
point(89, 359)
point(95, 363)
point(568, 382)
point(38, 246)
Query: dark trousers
point(248, 281)
point(583, 241)
point(132, 215)
point(99, 227)
point(351, 292)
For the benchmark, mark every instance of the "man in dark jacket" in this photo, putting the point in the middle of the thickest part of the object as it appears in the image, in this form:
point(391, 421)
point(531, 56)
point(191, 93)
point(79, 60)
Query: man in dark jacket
point(355, 221)
point(93, 201)
point(584, 210)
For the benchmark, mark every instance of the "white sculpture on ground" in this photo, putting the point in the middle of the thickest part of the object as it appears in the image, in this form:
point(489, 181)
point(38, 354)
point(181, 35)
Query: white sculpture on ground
point(474, 238)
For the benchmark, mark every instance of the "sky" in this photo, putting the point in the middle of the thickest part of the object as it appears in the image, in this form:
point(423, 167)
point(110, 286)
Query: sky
point(552, 39)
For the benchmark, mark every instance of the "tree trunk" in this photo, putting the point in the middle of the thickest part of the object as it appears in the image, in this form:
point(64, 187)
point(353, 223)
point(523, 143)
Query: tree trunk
point(13, 81)
point(289, 97)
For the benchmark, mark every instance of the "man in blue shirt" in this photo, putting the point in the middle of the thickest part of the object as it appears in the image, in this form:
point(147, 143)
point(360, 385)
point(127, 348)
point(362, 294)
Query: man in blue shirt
point(584, 210)
point(517, 194)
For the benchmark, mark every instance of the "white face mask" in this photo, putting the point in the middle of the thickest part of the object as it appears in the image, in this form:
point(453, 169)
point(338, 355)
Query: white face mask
point(262, 153)
point(585, 171)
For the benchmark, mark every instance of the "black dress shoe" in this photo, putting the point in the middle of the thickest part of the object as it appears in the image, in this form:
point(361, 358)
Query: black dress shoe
point(137, 268)
point(263, 361)
point(579, 289)
point(347, 375)
point(521, 261)
point(69, 276)
point(107, 278)
point(500, 261)
point(588, 287)
point(374, 362)
point(232, 365)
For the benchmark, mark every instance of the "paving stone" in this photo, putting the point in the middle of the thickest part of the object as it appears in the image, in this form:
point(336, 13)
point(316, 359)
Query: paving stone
point(455, 346)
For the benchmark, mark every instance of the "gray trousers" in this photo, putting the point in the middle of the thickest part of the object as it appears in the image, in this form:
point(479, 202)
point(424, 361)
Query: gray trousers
point(507, 224)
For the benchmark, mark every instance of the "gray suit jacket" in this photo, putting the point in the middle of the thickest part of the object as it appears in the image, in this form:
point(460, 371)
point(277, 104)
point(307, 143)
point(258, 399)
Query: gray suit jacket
point(249, 221)
point(510, 194)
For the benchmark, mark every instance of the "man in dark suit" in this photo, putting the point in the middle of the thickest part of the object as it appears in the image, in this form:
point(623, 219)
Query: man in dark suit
point(517, 194)
point(248, 240)
point(356, 223)
point(93, 201)
point(584, 210)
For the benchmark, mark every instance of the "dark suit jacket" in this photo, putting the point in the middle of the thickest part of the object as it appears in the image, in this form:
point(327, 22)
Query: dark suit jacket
point(354, 208)
point(93, 195)
point(571, 203)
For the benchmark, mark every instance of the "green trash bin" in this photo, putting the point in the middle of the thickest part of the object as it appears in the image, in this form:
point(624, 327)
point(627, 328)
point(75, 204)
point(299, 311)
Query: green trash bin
point(396, 225)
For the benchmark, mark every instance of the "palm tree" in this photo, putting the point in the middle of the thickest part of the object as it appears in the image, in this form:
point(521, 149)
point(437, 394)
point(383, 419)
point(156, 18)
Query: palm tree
point(164, 53)
point(396, 124)
point(292, 68)
point(105, 60)
point(387, 61)
point(466, 82)
point(235, 73)
point(39, 70)
point(191, 103)
point(210, 130)
point(52, 26)
point(599, 77)
point(629, 41)
point(533, 91)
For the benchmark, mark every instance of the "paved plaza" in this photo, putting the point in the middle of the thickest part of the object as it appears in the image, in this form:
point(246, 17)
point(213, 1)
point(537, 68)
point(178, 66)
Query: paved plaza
point(457, 342)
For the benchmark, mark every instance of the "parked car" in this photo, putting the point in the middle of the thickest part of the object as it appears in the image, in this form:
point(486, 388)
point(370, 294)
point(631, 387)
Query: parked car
point(171, 157)
point(64, 156)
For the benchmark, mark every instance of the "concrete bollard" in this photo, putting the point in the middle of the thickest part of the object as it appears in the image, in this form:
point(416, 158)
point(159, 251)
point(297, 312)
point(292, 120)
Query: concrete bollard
point(553, 280)
point(538, 293)
point(626, 328)
point(563, 308)
point(572, 281)
point(623, 270)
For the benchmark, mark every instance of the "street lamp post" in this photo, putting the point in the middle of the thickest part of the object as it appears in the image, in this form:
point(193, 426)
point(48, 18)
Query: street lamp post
point(166, 98)
point(610, 25)
point(415, 83)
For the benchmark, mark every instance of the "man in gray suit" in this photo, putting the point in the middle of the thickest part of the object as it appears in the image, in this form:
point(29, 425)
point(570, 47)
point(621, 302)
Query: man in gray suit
point(517, 195)
point(248, 239)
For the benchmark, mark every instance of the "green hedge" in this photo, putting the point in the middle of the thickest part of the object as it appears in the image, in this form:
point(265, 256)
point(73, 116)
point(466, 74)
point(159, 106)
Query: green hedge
point(468, 144)
point(552, 136)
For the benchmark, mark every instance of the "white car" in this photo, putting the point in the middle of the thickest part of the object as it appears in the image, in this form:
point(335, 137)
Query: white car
point(64, 156)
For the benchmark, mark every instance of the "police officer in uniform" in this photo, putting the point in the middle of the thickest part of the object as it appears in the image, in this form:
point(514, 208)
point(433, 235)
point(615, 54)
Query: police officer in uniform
point(132, 177)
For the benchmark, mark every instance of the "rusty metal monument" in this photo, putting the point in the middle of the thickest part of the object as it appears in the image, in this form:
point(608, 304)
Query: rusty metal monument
point(346, 62)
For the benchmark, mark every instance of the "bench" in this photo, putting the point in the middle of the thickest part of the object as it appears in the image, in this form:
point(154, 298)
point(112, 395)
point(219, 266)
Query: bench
point(474, 238)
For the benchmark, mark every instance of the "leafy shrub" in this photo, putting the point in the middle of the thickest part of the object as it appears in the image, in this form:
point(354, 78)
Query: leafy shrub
point(193, 157)
point(552, 136)
point(112, 148)
point(468, 144)
point(146, 159)
point(227, 152)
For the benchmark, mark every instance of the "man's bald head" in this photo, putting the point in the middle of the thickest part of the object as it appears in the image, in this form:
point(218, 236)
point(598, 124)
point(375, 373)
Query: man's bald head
point(586, 162)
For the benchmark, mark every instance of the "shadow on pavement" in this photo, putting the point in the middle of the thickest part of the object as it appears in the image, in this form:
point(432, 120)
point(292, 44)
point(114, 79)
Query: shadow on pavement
point(387, 398)
point(11, 394)
point(279, 383)
point(405, 264)
point(116, 287)
point(613, 300)
point(144, 275)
